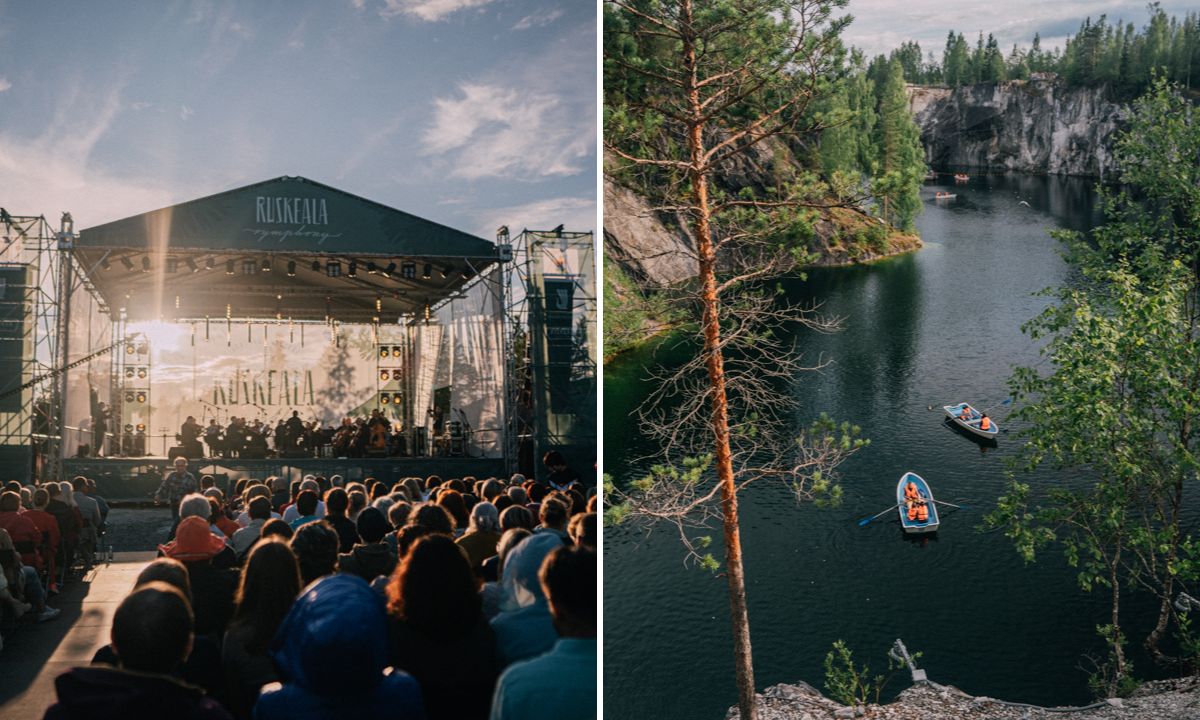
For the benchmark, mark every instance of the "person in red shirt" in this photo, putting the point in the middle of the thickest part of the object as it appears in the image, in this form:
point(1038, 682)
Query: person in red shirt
point(49, 527)
point(26, 536)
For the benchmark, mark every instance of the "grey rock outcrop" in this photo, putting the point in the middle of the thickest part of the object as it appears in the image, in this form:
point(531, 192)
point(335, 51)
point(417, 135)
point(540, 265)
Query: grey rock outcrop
point(651, 246)
point(1034, 126)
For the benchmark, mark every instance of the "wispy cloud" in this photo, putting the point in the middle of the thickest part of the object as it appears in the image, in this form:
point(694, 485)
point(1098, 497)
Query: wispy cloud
point(57, 172)
point(574, 213)
point(4, 84)
point(185, 112)
point(541, 18)
point(496, 131)
point(428, 10)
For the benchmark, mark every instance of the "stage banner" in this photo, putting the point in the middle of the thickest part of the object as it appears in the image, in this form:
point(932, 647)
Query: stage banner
point(13, 319)
point(560, 347)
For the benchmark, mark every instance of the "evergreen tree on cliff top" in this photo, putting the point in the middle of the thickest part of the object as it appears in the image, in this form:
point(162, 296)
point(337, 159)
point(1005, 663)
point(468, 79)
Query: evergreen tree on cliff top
point(692, 87)
point(900, 163)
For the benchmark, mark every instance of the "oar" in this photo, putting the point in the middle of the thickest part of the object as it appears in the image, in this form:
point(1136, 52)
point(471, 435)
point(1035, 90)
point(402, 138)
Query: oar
point(861, 523)
point(960, 507)
point(1005, 401)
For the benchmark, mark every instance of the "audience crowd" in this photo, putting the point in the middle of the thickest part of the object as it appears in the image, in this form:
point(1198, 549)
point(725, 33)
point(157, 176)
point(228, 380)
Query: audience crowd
point(321, 598)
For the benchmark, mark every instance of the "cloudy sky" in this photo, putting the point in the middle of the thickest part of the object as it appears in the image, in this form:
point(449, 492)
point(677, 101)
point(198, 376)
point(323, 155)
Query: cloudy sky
point(472, 113)
point(881, 25)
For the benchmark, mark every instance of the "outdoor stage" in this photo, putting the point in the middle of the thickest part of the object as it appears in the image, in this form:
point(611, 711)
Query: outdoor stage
point(138, 478)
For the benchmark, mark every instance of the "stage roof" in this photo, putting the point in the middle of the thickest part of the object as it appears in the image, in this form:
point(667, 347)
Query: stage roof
point(286, 247)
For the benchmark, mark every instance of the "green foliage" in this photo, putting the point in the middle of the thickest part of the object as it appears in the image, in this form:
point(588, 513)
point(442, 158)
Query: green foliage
point(851, 685)
point(1110, 677)
point(631, 315)
point(901, 158)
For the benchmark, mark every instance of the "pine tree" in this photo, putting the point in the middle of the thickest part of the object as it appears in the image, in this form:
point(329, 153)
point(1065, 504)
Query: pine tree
point(901, 158)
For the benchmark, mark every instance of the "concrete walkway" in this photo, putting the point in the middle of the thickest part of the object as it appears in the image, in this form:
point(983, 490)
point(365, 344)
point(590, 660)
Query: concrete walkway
point(36, 654)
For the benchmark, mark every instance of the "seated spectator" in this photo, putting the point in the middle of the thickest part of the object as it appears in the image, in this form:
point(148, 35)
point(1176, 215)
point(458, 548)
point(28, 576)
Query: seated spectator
point(492, 594)
point(68, 525)
point(202, 667)
point(452, 501)
point(524, 628)
point(23, 590)
point(218, 519)
point(432, 516)
point(196, 505)
point(151, 636)
point(337, 502)
point(372, 557)
point(306, 507)
point(269, 585)
point(440, 634)
point(315, 546)
point(279, 493)
point(51, 538)
point(259, 512)
point(483, 532)
point(397, 517)
point(553, 515)
point(212, 588)
point(517, 516)
point(582, 529)
point(294, 511)
point(332, 656)
point(90, 512)
point(100, 502)
point(560, 684)
point(254, 491)
point(276, 527)
point(24, 533)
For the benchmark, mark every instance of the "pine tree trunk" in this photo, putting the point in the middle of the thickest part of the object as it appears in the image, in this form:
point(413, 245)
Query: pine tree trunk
point(714, 364)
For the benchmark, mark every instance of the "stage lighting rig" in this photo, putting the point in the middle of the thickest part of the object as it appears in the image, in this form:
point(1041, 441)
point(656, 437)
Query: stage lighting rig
point(408, 270)
point(127, 263)
point(291, 268)
point(145, 263)
point(427, 272)
point(191, 265)
point(333, 269)
point(229, 267)
point(353, 270)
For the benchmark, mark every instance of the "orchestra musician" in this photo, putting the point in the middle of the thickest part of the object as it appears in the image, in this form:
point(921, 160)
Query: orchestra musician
point(189, 438)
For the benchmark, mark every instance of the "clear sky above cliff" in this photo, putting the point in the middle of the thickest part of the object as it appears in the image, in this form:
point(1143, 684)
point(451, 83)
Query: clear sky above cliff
point(881, 25)
point(472, 113)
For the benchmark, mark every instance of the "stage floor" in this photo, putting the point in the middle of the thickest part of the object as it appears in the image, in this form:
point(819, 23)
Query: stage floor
point(138, 478)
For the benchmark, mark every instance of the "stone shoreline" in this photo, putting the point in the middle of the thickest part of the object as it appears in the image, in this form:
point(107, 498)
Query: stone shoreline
point(1158, 700)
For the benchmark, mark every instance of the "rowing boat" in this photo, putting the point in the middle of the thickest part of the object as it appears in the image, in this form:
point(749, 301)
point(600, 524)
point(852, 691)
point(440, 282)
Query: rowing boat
point(972, 422)
point(916, 526)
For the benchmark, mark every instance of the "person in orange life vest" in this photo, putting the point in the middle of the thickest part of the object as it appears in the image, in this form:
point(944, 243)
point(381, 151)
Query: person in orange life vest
point(922, 512)
point(911, 494)
point(985, 423)
point(912, 511)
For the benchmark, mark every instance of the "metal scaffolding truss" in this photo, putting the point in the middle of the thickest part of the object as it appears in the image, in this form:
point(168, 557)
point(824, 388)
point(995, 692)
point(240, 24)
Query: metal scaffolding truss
point(33, 340)
point(552, 347)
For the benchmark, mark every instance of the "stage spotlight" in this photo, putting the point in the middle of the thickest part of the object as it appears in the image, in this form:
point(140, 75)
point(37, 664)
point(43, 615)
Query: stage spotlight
point(191, 265)
point(316, 266)
point(104, 264)
point(129, 349)
point(128, 428)
point(390, 269)
point(427, 272)
point(249, 267)
point(266, 265)
point(141, 397)
point(397, 374)
point(229, 267)
point(384, 398)
point(129, 397)
point(141, 373)
point(428, 311)
point(384, 375)
point(129, 373)
point(353, 271)
point(127, 263)
point(291, 268)
point(466, 273)
point(371, 268)
point(396, 351)
point(172, 265)
point(145, 263)
point(408, 270)
point(383, 352)
point(141, 427)
point(333, 268)
point(446, 270)
point(210, 263)
point(397, 398)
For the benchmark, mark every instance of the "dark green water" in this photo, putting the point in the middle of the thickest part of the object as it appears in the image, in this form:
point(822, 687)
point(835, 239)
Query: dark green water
point(932, 328)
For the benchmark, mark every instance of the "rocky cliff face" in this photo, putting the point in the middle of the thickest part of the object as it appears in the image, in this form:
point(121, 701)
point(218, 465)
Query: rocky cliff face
point(1035, 126)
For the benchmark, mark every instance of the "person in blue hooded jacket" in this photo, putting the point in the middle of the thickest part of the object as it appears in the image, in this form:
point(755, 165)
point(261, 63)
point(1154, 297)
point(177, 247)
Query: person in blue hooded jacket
point(332, 655)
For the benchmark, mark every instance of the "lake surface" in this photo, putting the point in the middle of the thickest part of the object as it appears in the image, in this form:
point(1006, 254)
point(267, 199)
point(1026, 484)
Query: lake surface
point(935, 327)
